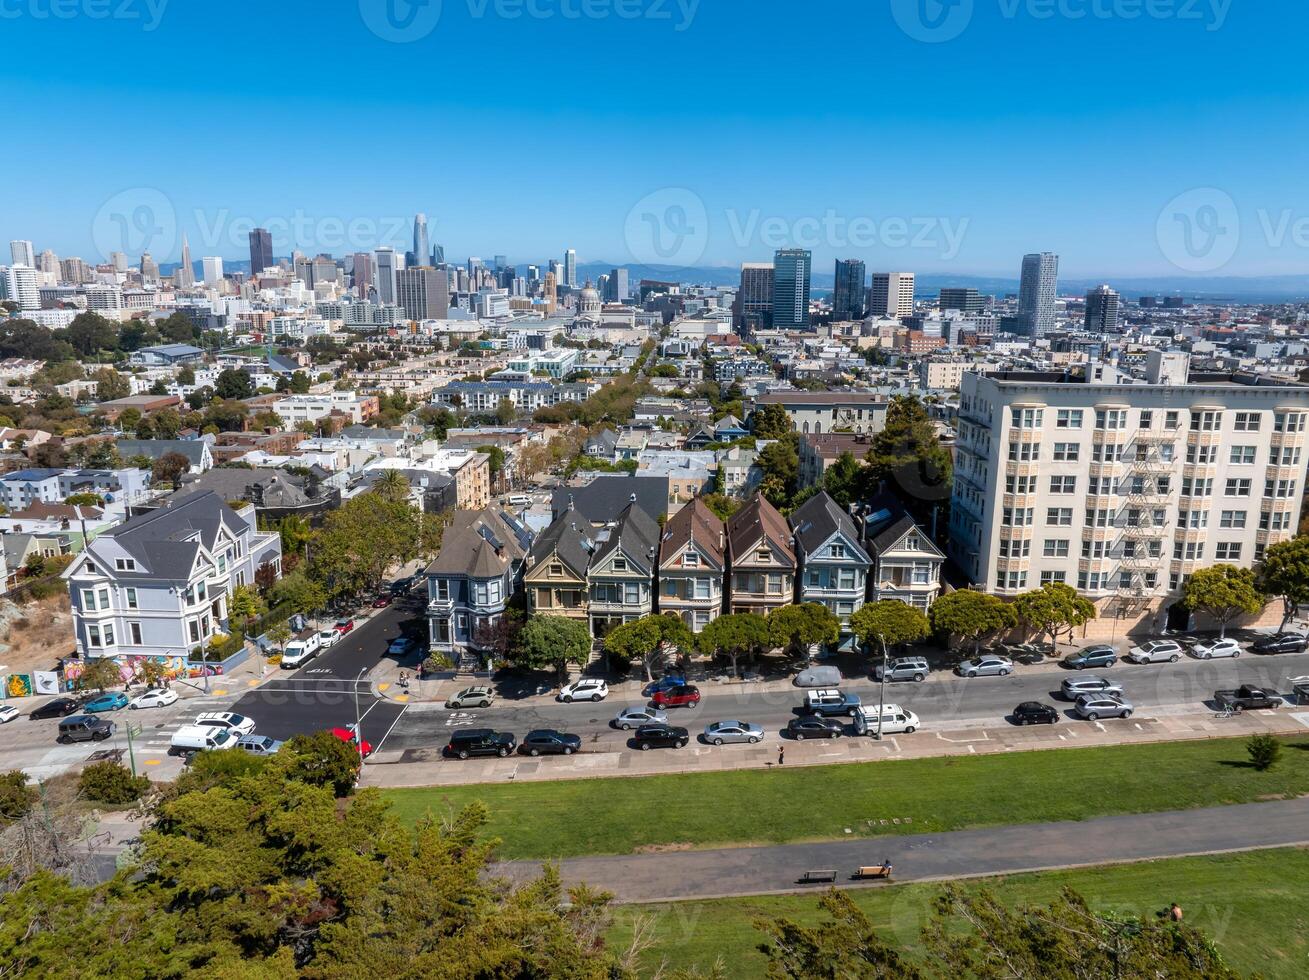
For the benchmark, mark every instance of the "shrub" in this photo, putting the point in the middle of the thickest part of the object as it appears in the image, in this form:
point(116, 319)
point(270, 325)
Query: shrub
point(108, 782)
point(16, 797)
point(436, 662)
point(1264, 751)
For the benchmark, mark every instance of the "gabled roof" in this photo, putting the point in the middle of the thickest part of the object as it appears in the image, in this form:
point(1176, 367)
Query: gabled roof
point(479, 544)
point(166, 541)
point(729, 422)
point(694, 524)
point(896, 531)
point(635, 533)
point(818, 519)
point(601, 500)
point(568, 540)
point(760, 519)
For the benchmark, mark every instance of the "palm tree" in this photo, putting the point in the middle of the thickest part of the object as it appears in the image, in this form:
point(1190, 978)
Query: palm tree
point(392, 487)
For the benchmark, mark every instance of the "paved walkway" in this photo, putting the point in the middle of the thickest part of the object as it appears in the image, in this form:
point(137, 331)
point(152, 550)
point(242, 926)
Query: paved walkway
point(729, 872)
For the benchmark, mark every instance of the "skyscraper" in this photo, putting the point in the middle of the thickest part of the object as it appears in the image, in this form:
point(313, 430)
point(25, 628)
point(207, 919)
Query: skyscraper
point(22, 253)
point(362, 271)
point(619, 287)
point(22, 287)
point(48, 263)
point(791, 268)
point(754, 300)
point(961, 298)
point(1037, 291)
point(74, 270)
point(184, 276)
point(848, 296)
point(149, 268)
point(570, 268)
point(261, 251)
point(118, 260)
point(386, 267)
point(213, 269)
point(422, 246)
point(1102, 310)
point(424, 292)
point(892, 294)
point(550, 292)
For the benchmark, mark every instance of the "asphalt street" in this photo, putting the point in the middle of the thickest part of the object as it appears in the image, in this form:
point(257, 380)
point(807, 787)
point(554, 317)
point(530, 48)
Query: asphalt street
point(943, 699)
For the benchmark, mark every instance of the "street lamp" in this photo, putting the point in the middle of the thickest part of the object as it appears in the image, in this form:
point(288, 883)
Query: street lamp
point(359, 735)
point(881, 694)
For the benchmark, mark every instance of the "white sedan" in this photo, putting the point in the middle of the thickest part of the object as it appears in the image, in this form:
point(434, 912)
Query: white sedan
point(1217, 648)
point(587, 689)
point(156, 697)
point(7, 713)
point(236, 724)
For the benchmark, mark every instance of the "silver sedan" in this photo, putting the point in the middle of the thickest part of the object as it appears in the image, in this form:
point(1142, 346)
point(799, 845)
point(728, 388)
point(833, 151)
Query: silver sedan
point(733, 731)
point(635, 717)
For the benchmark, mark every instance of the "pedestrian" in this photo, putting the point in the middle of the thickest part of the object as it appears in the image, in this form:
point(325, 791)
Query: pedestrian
point(781, 755)
point(1175, 913)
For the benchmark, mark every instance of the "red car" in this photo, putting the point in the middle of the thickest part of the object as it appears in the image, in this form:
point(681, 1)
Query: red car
point(348, 735)
point(382, 601)
point(344, 626)
point(679, 696)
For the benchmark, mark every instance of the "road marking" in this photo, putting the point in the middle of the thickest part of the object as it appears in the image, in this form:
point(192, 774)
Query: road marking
point(220, 692)
point(401, 697)
point(378, 747)
point(383, 687)
point(153, 762)
point(972, 749)
point(1100, 726)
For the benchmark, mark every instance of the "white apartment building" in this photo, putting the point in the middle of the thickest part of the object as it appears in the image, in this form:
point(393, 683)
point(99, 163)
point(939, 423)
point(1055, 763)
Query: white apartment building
point(1122, 490)
point(891, 294)
point(311, 408)
point(946, 375)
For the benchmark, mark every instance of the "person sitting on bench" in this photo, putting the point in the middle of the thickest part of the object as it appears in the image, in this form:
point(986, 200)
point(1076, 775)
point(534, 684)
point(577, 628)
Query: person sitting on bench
point(886, 867)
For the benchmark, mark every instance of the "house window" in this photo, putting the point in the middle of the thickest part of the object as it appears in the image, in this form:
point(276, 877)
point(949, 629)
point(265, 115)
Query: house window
point(125, 564)
point(1056, 548)
point(620, 564)
point(1068, 418)
point(1228, 551)
point(93, 636)
point(556, 570)
point(88, 600)
point(1048, 578)
point(109, 634)
point(701, 588)
point(1063, 484)
point(836, 551)
point(1059, 517)
point(1247, 422)
point(135, 631)
point(912, 544)
point(1242, 455)
point(131, 598)
point(774, 583)
point(1066, 452)
point(1238, 488)
point(443, 589)
point(103, 596)
point(631, 593)
point(690, 559)
point(763, 556)
point(194, 629)
point(1232, 518)
point(1206, 421)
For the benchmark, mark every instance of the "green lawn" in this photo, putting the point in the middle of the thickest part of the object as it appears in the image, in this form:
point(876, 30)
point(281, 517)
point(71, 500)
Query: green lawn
point(622, 816)
point(1255, 906)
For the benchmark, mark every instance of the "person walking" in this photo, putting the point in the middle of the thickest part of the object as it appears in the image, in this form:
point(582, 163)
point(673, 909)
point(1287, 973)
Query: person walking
point(781, 755)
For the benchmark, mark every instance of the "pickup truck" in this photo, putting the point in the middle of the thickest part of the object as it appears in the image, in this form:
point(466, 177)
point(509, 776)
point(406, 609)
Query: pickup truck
point(1248, 697)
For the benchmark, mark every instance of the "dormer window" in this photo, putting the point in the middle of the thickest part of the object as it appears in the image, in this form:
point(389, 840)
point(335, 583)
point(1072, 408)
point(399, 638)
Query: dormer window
point(690, 559)
point(125, 564)
point(912, 544)
point(620, 564)
point(836, 551)
point(556, 570)
point(764, 555)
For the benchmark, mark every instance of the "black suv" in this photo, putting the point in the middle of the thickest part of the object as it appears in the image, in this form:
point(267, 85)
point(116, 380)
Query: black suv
point(661, 736)
point(480, 741)
point(1035, 713)
point(546, 741)
point(1281, 643)
point(56, 708)
point(814, 726)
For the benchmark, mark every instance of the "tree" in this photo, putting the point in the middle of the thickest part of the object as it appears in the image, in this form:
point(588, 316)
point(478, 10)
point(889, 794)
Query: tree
point(721, 505)
point(186, 375)
point(279, 634)
point(1052, 609)
point(1285, 574)
point(845, 945)
point(108, 782)
point(85, 499)
point(170, 468)
point(99, 674)
point(234, 383)
point(299, 592)
point(393, 487)
point(149, 672)
point(1264, 751)
point(505, 413)
point(846, 480)
point(648, 640)
point(909, 457)
point(322, 759)
point(800, 626)
point(551, 643)
point(780, 463)
point(1224, 592)
point(110, 385)
point(167, 423)
point(90, 333)
point(889, 621)
point(299, 383)
point(971, 615)
point(770, 422)
point(360, 540)
point(244, 605)
point(16, 796)
point(733, 636)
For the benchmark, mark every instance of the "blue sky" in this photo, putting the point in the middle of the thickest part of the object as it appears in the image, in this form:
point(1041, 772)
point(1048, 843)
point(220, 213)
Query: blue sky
point(725, 127)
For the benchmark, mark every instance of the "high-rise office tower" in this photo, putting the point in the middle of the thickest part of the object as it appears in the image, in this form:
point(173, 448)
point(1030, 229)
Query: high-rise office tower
point(791, 269)
point(570, 268)
point(22, 286)
point(119, 261)
point(213, 269)
point(891, 294)
point(533, 273)
point(438, 255)
point(261, 251)
point(754, 300)
point(423, 292)
point(550, 292)
point(422, 245)
point(386, 265)
point(74, 270)
point(184, 276)
point(1102, 310)
point(960, 298)
point(149, 267)
point(848, 295)
point(619, 286)
point(501, 262)
point(362, 273)
point(1037, 292)
point(324, 269)
point(22, 253)
point(48, 263)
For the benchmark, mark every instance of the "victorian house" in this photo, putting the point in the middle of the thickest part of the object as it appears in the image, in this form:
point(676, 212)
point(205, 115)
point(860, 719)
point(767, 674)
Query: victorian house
point(761, 559)
point(692, 565)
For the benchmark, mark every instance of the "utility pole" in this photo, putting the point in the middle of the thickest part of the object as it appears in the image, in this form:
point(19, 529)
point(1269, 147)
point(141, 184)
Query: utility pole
point(132, 732)
point(881, 694)
point(359, 735)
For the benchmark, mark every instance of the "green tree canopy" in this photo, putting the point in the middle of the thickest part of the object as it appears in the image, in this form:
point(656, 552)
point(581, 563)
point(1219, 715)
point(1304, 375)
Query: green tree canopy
point(1052, 609)
point(170, 468)
point(734, 636)
point(648, 639)
point(797, 627)
point(846, 481)
point(234, 383)
point(1285, 574)
point(890, 621)
point(770, 422)
point(552, 643)
point(1224, 592)
point(971, 615)
point(780, 463)
point(360, 540)
point(909, 457)
point(110, 385)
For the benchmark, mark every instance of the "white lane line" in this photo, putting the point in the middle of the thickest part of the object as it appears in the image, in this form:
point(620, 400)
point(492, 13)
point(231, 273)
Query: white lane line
point(379, 745)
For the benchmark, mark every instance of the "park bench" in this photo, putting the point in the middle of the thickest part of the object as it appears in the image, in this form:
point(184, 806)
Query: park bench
point(873, 871)
point(812, 877)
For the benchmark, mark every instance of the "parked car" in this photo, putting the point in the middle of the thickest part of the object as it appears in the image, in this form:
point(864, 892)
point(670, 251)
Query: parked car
point(55, 708)
point(201, 738)
point(302, 648)
point(547, 741)
point(1095, 706)
point(733, 731)
point(1156, 652)
point(630, 718)
point(258, 744)
point(238, 724)
point(1281, 643)
point(814, 726)
point(1036, 713)
point(831, 702)
point(480, 741)
point(888, 719)
point(85, 728)
point(344, 625)
point(106, 702)
point(155, 697)
point(1212, 649)
point(1100, 655)
point(1074, 687)
point(402, 585)
point(400, 646)
point(382, 601)
point(661, 736)
point(471, 697)
point(663, 684)
point(327, 637)
point(7, 713)
point(682, 696)
point(1248, 697)
point(586, 689)
point(903, 669)
point(350, 736)
point(825, 675)
point(986, 666)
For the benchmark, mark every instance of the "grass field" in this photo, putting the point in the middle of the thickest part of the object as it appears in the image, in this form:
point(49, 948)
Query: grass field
point(623, 816)
point(1255, 906)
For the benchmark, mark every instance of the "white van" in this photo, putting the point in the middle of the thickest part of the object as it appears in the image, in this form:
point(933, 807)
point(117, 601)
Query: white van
point(198, 738)
point(895, 720)
point(302, 649)
point(519, 500)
